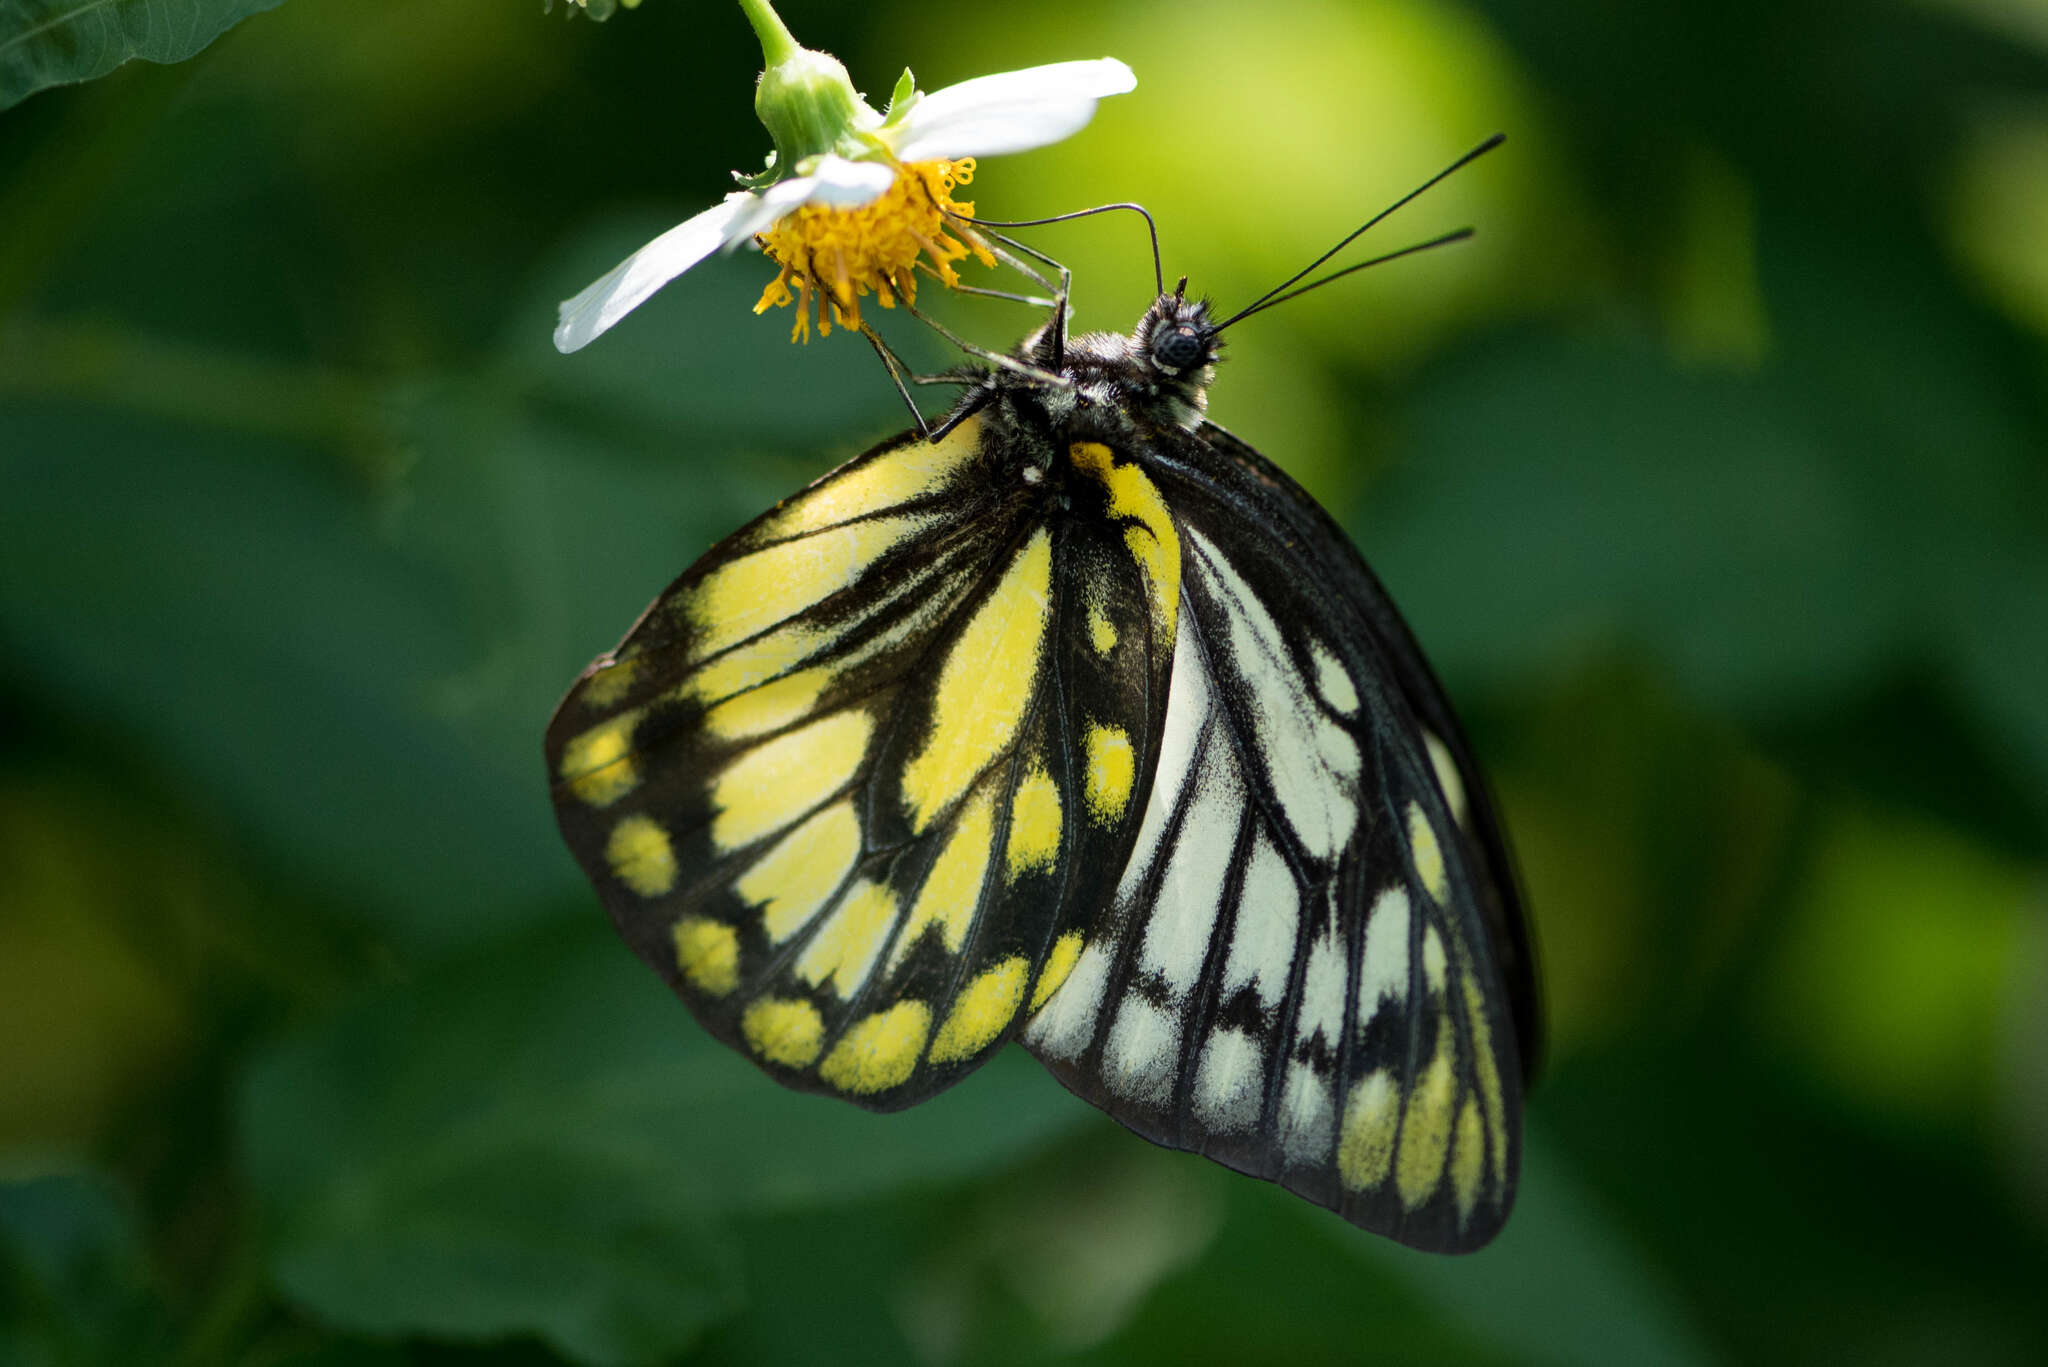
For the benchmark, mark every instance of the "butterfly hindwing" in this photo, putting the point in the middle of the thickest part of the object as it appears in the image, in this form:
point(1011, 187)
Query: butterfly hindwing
point(844, 783)
point(1295, 975)
point(1457, 773)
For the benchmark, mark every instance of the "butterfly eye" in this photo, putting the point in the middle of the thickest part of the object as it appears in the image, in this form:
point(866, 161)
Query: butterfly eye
point(1177, 346)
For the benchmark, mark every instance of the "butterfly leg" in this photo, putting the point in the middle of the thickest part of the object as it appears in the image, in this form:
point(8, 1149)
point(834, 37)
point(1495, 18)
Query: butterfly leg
point(1062, 294)
point(1034, 300)
point(893, 363)
point(995, 358)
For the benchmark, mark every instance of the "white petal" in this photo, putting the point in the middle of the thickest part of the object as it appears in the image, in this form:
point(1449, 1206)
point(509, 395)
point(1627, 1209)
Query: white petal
point(836, 181)
point(623, 288)
point(849, 184)
point(1012, 111)
point(768, 205)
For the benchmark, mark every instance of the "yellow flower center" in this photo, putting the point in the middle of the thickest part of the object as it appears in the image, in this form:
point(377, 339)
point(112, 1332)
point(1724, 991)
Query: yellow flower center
point(832, 258)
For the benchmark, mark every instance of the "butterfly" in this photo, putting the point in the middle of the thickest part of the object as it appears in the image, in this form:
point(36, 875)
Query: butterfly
point(1076, 722)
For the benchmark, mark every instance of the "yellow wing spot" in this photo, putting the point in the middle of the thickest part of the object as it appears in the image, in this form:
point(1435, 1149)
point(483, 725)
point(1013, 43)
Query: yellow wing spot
point(981, 1011)
point(1468, 1158)
point(1101, 631)
point(1034, 824)
point(881, 1051)
point(845, 947)
point(598, 765)
point(1434, 964)
point(640, 854)
point(1058, 964)
point(775, 653)
point(708, 953)
point(1428, 854)
point(1155, 543)
point(792, 880)
point(917, 469)
point(608, 683)
point(984, 686)
point(1365, 1154)
point(754, 663)
point(770, 707)
point(1447, 776)
point(1161, 562)
point(1426, 1127)
point(1112, 764)
point(783, 1030)
point(1488, 1068)
point(746, 596)
point(773, 784)
point(953, 887)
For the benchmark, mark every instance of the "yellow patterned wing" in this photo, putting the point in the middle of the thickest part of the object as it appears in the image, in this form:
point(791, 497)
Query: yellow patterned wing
point(856, 782)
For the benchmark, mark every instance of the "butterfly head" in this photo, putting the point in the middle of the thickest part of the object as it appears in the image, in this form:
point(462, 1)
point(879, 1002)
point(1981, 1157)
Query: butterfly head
point(1109, 384)
point(1177, 338)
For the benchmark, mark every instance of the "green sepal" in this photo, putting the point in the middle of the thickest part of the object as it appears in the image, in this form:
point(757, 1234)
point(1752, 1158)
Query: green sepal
point(901, 98)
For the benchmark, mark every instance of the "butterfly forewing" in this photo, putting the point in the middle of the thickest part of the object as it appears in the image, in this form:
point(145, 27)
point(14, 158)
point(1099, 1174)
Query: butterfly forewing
point(848, 780)
point(1294, 977)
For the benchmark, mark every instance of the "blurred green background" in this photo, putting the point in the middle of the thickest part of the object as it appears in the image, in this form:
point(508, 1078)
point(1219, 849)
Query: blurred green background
point(1713, 473)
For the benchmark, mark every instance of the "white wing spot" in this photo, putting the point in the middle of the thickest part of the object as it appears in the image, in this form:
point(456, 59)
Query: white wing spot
point(1065, 1024)
point(1312, 762)
point(1143, 1044)
point(1331, 680)
point(1387, 931)
point(1230, 1082)
point(1187, 710)
point(1262, 939)
point(1322, 991)
point(1306, 1120)
point(1183, 916)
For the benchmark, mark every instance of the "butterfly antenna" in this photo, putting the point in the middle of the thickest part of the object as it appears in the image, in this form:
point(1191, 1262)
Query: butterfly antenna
point(1458, 236)
point(1151, 228)
point(1269, 298)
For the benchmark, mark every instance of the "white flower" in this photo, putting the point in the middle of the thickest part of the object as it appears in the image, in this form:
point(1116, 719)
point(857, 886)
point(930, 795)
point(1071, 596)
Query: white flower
point(867, 217)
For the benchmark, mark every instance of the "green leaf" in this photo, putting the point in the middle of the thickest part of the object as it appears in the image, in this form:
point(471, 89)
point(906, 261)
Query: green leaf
point(74, 1281)
point(229, 604)
point(56, 42)
point(1557, 498)
point(365, 693)
point(538, 1139)
point(576, 1245)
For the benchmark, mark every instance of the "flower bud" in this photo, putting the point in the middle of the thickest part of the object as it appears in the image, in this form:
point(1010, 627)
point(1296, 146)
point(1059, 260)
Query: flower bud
point(805, 99)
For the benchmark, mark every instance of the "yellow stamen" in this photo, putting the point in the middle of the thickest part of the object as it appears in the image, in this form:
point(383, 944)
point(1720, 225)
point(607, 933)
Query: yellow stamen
point(830, 257)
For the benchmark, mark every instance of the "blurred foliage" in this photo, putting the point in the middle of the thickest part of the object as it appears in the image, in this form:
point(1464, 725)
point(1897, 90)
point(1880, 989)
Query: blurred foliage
point(55, 42)
point(1713, 473)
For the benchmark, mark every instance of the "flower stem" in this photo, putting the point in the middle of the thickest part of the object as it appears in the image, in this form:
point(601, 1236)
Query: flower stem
point(777, 43)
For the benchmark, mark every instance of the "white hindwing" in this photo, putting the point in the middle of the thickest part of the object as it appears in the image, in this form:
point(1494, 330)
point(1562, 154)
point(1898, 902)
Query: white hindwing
point(1294, 978)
